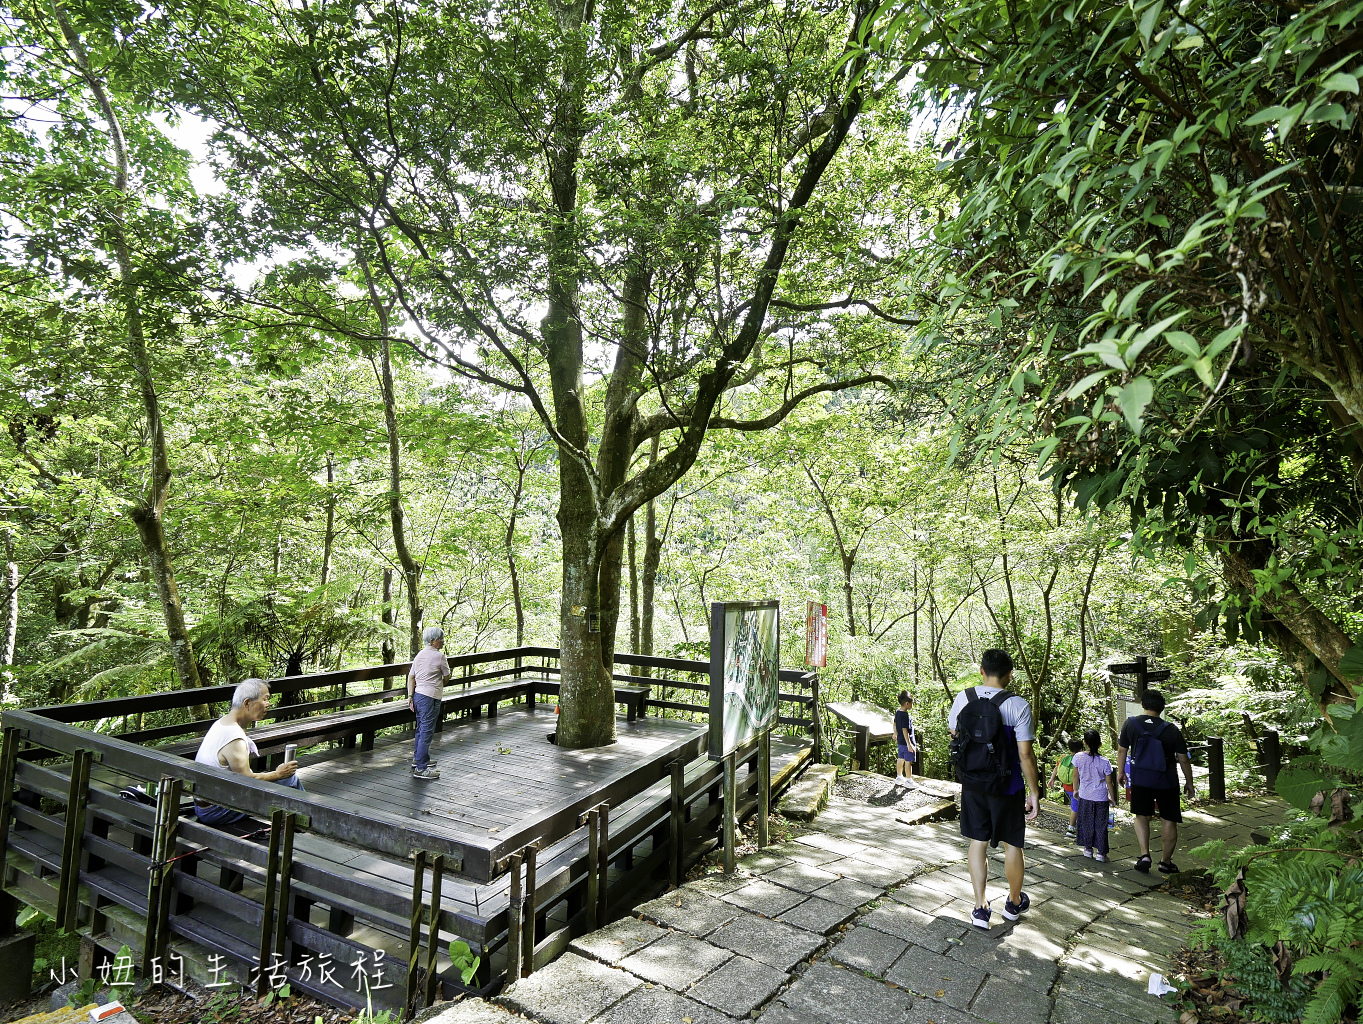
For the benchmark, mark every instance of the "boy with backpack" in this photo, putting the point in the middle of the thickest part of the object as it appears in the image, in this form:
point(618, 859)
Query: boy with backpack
point(1063, 775)
point(991, 747)
point(1156, 747)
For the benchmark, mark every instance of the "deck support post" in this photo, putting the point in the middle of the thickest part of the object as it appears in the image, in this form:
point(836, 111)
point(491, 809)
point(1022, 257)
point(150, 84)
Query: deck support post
point(281, 924)
point(156, 938)
point(603, 855)
point(763, 788)
point(1270, 747)
point(514, 914)
point(414, 933)
point(675, 821)
point(816, 723)
point(730, 809)
point(1216, 768)
point(268, 908)
point(593, 846)
point(863, 748)
point(530, 933)
point(9, 757)
point(433, 934)
point(68, 891)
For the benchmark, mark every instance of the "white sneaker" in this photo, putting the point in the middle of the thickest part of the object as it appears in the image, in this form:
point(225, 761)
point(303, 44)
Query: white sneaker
point(900, 780)
point(1100, 858)
point(425, 773)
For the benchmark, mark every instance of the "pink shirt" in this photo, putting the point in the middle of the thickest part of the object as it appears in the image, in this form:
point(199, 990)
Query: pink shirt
point(1091, 772)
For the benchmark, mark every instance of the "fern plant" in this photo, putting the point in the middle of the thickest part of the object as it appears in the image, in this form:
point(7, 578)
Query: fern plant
point(1301, 917)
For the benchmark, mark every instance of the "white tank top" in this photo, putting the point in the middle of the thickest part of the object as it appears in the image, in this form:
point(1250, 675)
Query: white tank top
point(221, 733)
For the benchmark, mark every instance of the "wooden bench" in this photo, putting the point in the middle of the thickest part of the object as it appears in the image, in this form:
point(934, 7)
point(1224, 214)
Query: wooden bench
point(869, 726)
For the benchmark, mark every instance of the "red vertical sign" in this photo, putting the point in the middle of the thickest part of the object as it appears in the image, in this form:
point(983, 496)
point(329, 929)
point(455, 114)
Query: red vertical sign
point(816, 635)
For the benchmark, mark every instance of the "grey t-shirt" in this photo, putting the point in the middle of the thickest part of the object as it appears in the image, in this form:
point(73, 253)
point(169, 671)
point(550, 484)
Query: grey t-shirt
point(429, 671)
point(1016, 712)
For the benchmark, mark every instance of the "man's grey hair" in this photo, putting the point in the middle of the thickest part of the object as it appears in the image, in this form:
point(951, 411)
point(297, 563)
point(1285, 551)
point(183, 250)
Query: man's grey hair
point(249, 689)
point(431, 634)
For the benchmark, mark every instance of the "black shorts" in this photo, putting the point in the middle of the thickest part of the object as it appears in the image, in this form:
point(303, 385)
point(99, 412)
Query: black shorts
point(995, 819)
point(1145, 800)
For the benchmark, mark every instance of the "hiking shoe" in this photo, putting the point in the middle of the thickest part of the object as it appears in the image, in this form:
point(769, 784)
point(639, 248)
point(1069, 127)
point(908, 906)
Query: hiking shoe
point(1088, 851)
point(979, 917)
point(425, 773)
point(1012, 911)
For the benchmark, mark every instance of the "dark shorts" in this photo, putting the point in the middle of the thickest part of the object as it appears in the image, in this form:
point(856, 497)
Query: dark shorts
point(994, 819)
point(905, 754)
point(1145, 800)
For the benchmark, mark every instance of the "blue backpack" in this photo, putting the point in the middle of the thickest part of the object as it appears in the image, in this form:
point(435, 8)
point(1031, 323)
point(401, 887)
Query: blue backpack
point(1149, 766)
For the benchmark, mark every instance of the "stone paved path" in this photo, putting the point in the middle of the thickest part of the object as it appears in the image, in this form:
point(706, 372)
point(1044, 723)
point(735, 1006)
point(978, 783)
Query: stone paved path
point(866, 921)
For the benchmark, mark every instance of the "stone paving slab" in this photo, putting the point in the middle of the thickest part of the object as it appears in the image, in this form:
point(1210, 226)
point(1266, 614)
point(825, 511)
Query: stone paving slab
point(571, 990)
point(850, 892)
point(470, 1011)
point(868, 950)
point(873, 873)
point(1003, 1002)
point(804, 878)
point(692, 912)
point(765, 898)
point(657, 1006)
point(936, 977)
point(739, 987)
point(838, 995)
point(773, 943)
point(617, 940)
point(926, 930)
point(818, 916)
point(677, 961)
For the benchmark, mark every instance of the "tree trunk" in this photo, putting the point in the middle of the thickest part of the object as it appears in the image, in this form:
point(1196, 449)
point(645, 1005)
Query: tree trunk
point(511, 553)
point(411, 568)
point(9, 640)
point(1294, 612)
point(633, 592)
point(148, 515)
point(330, 538)
point(386, 650)
point(648, 582)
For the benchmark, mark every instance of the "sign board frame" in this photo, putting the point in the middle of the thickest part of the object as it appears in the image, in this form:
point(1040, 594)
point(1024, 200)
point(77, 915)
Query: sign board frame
point(719, 663)
point(816, 635)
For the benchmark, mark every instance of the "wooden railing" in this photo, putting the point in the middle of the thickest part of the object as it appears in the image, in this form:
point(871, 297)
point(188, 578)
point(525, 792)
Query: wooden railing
point(71, 846)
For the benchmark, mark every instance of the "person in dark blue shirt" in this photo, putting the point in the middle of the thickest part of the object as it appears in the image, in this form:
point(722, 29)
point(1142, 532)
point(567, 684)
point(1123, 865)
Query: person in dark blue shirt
point(905, 740)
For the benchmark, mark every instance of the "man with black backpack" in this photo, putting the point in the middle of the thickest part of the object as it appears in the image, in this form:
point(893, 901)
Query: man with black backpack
point(991, 747)
point(1156, 747)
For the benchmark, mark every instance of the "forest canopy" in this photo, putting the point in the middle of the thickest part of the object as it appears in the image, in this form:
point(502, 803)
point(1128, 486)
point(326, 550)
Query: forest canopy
point(1032, 325)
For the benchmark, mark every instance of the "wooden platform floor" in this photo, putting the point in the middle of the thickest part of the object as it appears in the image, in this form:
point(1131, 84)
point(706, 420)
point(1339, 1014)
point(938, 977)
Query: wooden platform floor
point(497, 775)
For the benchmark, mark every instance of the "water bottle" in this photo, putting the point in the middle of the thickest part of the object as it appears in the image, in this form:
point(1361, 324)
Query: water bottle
point(1111, 818)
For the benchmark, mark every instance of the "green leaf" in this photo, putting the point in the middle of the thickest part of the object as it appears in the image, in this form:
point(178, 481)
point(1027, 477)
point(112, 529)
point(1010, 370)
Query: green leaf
point(1298, 783)
point(1086, 383)
point(1274, 113)
point(1351, 665)
point(1133, 400)
point(1341, 81)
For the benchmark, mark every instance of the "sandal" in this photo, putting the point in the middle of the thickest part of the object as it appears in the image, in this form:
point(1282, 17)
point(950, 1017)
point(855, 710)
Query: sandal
point(1143, 863)
point(1167, 867)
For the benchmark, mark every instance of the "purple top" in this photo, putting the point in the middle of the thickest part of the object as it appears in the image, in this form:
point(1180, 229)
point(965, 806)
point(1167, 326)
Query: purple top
point(1091, 772)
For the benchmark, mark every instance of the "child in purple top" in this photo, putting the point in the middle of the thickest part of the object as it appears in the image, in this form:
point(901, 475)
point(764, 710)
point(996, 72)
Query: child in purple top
point(1095, 785)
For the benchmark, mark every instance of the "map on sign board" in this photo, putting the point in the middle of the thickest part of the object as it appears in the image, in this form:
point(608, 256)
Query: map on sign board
point(745, 663)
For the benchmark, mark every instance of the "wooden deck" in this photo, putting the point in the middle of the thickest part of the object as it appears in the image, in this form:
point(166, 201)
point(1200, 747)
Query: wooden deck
point(499, 776)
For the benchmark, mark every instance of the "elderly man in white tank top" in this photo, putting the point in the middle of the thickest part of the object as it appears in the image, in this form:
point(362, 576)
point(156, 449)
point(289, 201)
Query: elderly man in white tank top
point(226, 746)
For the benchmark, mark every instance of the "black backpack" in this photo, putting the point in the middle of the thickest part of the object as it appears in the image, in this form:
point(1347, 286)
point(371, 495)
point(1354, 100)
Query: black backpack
point(981, 750)
point(1149, 765)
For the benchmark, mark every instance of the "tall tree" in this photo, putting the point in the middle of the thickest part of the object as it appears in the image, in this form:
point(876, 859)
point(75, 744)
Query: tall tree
point(540, 140)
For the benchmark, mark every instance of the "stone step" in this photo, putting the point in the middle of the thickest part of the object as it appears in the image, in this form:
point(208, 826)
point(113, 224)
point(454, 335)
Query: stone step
point(807, 797)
